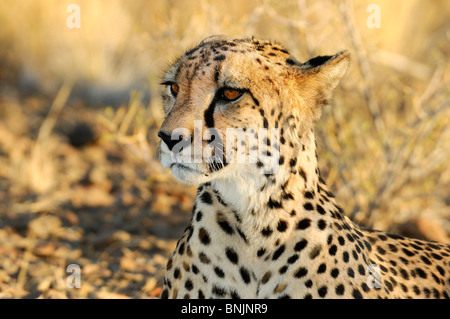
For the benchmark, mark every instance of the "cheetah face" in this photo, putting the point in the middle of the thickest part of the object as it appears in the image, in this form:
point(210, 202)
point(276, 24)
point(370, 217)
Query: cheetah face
point(229, 104)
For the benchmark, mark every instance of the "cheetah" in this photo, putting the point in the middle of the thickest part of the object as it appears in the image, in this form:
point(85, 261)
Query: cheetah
point(268, 226)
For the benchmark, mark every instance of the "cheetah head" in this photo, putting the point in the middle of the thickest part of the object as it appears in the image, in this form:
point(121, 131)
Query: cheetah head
point(233, 105)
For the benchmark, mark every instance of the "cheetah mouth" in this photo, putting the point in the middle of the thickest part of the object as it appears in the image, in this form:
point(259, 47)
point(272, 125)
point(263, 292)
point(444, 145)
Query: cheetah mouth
point(184, 167)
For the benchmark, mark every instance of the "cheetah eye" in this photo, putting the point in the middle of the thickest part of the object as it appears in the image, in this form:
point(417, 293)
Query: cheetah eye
point(172, 87)
point(229, 94)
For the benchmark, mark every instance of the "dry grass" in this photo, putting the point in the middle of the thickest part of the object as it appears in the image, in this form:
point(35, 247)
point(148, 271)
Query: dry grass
point(384, 145)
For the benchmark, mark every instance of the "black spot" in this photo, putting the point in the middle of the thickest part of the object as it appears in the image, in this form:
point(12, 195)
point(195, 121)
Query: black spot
point(320, 210)
point(283, 270)
point(321, 224)
point(304, 223)
point(261, 252)
point(436, 293)
point(408, 252)
point(301, 272)
point(441, 270)
point(219, 57)
point(341, 240)
point(351, 273)
point(322, 291)
point(282, 226)
point(198, 216)
point(340, 290)
point(206, 198)
point(195, 269)
point(315, 251)
point(293, 162)
point(216, 76)
point(266, 277)
point(427, 292)
point(181, 249)
point(218, 291)
point(203, 258)
point(219, 272)
point(381, 251)
point(361, 270)
point(244, 275)
point(188, 285)
point(357, 294)
point(421, 273)
point(345, 257)
point(308, 206)
point(292, 259)
point(274, 204)
point(334, 273)
point(332, 251)
point(300, 245)
point(278, 252)
point(165, 294)
point(266, 232)
point(309, 195)
point(234, 295)
point(425, 260)
point(243, 236)
point(404, 273)
point(436, 256)
point(388, 285)
point(302, 174)
point(225, 226)
point(231, 255)
point(203, 235)
point(322, 268)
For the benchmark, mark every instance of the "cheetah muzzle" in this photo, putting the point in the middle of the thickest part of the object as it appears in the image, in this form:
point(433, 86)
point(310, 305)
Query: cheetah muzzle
point(239, 123)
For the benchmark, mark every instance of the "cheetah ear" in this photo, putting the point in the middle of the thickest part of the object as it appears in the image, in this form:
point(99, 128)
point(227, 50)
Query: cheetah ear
point(328, 70)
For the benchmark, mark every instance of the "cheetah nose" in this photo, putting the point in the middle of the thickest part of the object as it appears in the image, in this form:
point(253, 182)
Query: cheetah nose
point(167, 138)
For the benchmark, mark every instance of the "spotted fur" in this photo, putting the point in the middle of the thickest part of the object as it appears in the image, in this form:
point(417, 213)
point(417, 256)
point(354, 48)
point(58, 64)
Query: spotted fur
point(281, 234)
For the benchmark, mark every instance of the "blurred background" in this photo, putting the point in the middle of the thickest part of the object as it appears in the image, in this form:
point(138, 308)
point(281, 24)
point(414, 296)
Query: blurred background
point(80, 108)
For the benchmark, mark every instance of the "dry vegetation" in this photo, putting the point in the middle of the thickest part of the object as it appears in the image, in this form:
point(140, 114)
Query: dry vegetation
point(79, 108)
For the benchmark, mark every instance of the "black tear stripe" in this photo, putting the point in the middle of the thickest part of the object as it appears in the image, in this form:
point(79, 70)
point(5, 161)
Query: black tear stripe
point(209, 112)
point(253, 98)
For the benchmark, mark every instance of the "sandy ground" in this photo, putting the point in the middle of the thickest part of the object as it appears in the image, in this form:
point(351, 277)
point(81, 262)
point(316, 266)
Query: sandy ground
point(77, 198)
